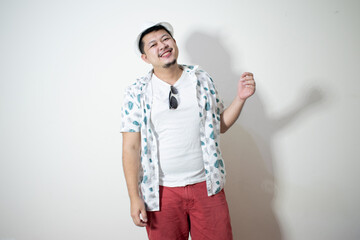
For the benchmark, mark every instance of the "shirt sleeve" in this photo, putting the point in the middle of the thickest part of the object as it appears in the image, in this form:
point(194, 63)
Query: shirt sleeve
point(220, 106)
point(219, 101)
point(130, 113)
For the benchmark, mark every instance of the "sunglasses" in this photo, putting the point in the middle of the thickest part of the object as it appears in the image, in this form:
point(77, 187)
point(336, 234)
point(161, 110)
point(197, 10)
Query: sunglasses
point(173, 102)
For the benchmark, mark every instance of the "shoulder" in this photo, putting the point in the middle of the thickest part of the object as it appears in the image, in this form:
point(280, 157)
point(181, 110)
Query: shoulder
point(197, 70)
point(203, 76)
point(138, 85)
point(134, 87)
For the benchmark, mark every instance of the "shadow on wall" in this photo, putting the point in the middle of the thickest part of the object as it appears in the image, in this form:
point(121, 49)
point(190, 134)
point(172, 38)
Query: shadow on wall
point(246, 147)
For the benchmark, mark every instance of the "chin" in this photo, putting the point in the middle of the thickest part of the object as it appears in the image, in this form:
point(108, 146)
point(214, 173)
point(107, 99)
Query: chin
point(167, 65)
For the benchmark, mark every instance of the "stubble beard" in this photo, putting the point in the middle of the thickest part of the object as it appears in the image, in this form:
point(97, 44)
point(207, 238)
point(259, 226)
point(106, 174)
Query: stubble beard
point(167, 65)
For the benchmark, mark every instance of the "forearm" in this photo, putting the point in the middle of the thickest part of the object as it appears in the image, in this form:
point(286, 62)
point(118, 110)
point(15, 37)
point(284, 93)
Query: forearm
point(231, 114)
point(131, 163)
point(131, 166)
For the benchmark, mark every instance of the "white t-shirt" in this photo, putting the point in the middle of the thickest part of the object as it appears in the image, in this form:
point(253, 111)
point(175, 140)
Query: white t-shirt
point(177, 132)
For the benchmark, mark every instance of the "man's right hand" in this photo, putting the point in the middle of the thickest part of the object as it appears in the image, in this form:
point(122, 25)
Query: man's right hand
point(138, 212)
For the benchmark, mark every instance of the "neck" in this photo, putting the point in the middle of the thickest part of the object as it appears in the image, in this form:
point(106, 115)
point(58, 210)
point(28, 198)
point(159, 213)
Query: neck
point(169, 75)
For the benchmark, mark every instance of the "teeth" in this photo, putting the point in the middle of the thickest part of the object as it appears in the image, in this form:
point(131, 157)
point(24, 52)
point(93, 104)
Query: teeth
point(167, 51)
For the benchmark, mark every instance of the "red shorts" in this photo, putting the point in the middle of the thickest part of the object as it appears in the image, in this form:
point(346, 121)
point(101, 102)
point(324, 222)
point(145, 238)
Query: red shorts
point(190, 209)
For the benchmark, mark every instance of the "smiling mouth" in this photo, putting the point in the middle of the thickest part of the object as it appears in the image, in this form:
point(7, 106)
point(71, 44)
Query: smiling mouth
point(166, 53)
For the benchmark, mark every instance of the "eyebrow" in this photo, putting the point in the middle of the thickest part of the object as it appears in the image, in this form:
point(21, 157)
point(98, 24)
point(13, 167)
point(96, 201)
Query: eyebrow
point(165, 35)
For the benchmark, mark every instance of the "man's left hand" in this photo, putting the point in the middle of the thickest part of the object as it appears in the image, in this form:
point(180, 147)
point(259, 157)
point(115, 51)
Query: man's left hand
point(246, 86)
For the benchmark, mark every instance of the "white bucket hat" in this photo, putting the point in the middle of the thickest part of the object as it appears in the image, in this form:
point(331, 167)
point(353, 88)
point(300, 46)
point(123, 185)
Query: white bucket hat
point(148, 25)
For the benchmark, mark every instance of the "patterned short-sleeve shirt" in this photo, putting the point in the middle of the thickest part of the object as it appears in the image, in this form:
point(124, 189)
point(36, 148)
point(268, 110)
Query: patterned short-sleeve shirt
point(135, 117)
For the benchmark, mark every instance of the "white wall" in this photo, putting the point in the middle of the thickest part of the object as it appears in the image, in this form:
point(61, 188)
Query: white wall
point(292, 158)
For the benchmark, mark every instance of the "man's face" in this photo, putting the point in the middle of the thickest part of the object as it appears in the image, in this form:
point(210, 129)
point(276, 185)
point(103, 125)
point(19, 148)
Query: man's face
point(160, 49)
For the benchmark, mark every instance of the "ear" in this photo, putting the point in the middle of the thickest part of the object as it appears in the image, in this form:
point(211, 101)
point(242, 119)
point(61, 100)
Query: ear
point(144, 57)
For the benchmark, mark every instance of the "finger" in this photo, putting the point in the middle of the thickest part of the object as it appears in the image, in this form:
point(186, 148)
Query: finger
point(250, 86)
point(247, 74)
point(144, 215)
point(244, 79)
point(247, 78)
point(248, 82)
point(138, 222)
point(142, 224)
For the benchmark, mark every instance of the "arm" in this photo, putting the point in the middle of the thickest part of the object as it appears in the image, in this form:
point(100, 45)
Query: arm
point(131, 163)
point(246, 88)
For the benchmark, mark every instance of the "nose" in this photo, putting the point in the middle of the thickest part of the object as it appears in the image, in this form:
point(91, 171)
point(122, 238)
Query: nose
point(162, 45)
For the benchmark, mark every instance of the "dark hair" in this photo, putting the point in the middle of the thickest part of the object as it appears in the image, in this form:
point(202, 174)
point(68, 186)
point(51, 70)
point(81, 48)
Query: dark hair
point(149, 30)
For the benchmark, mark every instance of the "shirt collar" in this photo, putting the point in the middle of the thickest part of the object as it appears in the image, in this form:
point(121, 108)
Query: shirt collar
point(188, 68)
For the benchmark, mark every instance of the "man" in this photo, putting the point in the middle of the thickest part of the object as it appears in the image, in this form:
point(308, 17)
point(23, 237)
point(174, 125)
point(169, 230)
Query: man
point(171, 124)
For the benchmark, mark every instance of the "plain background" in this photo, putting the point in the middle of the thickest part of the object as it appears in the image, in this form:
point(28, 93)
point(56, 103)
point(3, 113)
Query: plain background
point(292, 158)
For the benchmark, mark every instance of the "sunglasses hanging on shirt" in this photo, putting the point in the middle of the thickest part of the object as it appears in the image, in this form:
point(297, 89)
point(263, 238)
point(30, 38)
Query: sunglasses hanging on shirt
point(173, 102)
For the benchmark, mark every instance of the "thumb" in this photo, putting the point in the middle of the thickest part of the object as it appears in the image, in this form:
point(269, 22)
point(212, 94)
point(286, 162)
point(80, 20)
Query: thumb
point(144, 215)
